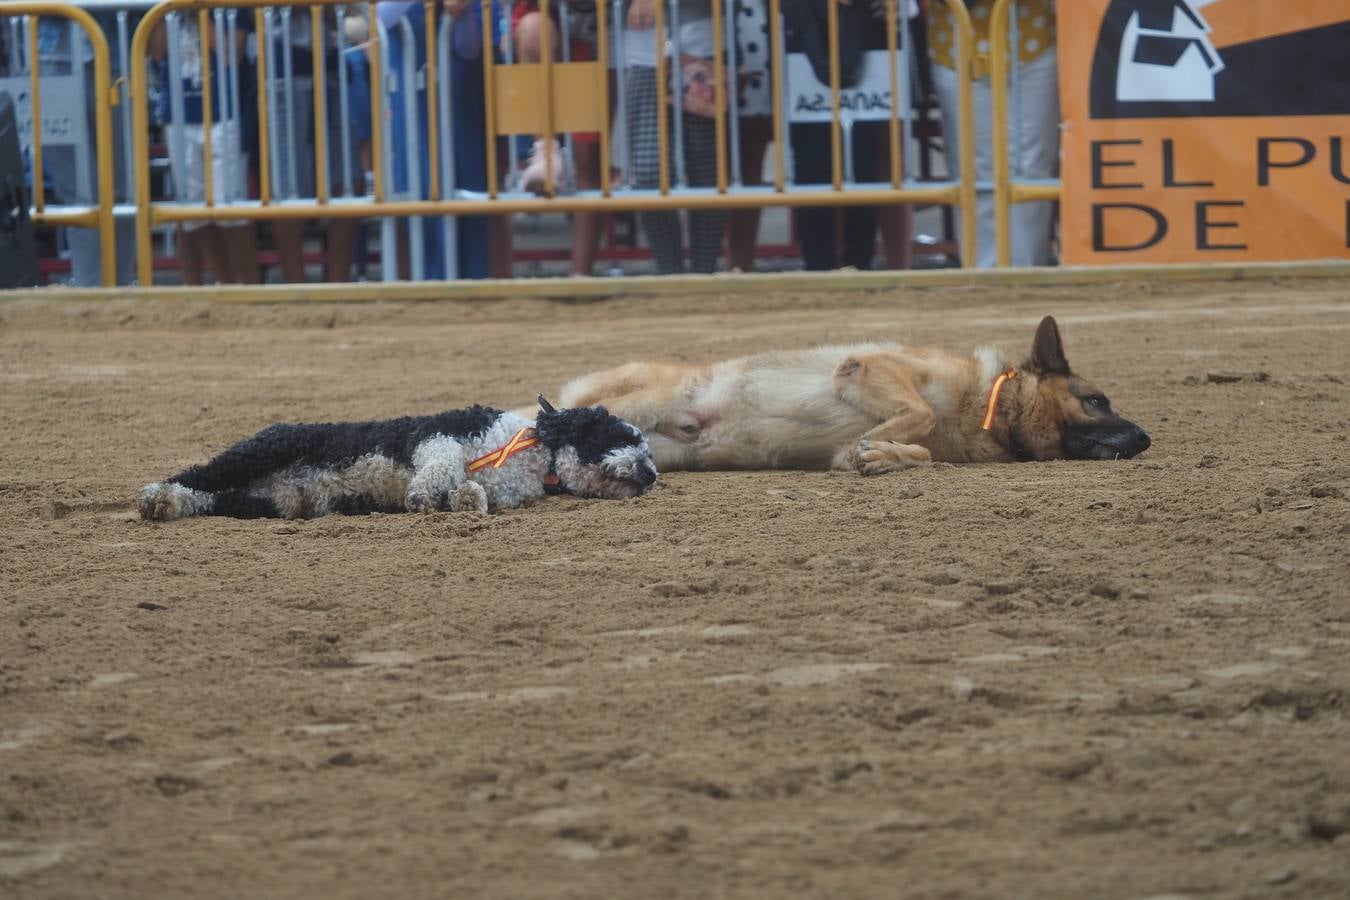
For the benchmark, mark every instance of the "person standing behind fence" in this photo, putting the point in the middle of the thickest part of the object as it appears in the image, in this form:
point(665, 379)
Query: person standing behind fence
point(754, 107)
point(1033, 120)
point(227, 248)
point(291, 95)
point(582, 170)
point(692, 70)
point(467, 128)
point(833, 237)
point(61, 54)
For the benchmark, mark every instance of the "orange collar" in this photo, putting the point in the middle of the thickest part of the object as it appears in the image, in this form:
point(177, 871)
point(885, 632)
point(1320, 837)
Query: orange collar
point(992, 406)
point(522, 440)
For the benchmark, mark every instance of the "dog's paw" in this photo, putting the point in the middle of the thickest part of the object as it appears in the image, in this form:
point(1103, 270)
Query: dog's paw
point(164, 501)
point(470, 497)
point(427, 501)
point(880, 457)
point(869, 458)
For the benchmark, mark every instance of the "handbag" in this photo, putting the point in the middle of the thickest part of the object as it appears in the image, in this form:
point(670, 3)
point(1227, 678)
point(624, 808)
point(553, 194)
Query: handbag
point(698, 86)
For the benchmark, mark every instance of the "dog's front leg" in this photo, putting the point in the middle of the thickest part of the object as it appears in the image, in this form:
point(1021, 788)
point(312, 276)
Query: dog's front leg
point(883, 388)
point(892, 445)
point(871, 457)
point(438, 473)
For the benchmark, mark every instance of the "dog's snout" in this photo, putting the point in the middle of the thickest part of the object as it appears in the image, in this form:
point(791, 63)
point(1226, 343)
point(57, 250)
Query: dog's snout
point(1141, 439)
point(646, 474)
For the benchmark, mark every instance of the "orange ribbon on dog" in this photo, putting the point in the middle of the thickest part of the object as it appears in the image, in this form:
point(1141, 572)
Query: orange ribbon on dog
point(992, 407)
point(523, 439)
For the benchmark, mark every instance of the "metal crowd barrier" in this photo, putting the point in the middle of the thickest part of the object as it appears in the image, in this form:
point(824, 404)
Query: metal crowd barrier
point(1003, 59)
point(100, 216)
point(538, 87)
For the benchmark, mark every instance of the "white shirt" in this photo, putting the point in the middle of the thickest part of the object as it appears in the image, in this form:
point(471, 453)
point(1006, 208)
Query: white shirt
point(696, 36)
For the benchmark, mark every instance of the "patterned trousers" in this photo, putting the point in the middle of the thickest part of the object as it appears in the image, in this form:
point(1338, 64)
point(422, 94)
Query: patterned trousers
point(663, 231)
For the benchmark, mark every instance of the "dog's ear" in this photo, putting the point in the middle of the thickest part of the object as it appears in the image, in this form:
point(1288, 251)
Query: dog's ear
point(1047, 350)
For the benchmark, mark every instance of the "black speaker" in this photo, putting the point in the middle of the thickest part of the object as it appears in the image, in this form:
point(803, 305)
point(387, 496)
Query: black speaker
point(18, 250)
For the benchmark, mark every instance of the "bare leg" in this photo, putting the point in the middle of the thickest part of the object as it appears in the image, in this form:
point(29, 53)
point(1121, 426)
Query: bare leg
point(290, 238)
point(190, 257)
point(215, 255)
point(241, 244)
point(586, 227)
point(897, 226)
point(341, 249)
point(341, 237)
point(500, 242)
point(529, 38)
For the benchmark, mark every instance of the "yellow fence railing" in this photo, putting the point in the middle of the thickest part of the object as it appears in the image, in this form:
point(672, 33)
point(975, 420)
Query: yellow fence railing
point(100, 217)
point(504, 91)
point(1006, 191)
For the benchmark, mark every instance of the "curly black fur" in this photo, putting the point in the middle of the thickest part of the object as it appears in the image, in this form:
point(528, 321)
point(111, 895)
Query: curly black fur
point(330, 445)
point(592, 430)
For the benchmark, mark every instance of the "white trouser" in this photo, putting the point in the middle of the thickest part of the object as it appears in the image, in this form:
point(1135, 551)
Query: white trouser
point(1033, 152)
point(229, 168)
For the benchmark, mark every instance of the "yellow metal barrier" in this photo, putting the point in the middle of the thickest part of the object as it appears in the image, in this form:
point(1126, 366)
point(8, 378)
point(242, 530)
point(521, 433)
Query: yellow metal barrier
point(965, 69)
point(101, 217)
point(1006, 192)
point(504, 116)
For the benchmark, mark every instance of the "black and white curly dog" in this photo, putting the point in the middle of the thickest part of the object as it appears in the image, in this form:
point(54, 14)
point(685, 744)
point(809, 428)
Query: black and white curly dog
point(476, 459)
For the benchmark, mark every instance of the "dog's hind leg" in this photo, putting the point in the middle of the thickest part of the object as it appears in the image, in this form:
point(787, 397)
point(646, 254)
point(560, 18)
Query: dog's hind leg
point(199, 490)
point(164, 501)
point(244, 505)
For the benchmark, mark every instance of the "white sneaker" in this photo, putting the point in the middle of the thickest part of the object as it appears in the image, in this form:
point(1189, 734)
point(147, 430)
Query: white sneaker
point(533, 175)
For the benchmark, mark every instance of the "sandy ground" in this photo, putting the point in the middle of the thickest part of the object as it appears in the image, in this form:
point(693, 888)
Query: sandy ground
point(1070, 680)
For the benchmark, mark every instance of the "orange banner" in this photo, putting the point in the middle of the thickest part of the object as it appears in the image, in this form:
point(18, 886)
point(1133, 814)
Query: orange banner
point(1205, 130)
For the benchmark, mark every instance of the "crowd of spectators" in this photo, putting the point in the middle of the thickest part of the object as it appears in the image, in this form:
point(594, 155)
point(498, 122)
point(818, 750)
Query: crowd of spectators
point(696, 240)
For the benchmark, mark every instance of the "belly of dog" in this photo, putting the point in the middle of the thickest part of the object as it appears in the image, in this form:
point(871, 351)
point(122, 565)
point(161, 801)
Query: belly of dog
point(776, 410)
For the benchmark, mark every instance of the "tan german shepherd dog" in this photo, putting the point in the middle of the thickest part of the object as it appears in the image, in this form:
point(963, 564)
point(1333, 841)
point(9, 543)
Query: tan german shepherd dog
point(869, 408)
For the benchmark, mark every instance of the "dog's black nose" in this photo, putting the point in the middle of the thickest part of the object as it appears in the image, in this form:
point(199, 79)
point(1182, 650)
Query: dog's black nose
point(646, 475)
point(1141, 439)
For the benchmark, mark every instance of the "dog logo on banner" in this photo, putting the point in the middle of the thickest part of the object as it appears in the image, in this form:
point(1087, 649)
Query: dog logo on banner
point(1164, 59)
point(1174, 62)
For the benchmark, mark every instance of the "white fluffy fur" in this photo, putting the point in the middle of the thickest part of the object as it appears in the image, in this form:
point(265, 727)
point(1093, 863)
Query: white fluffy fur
point(992, 364)
point(305, 492)
point(173, 501)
